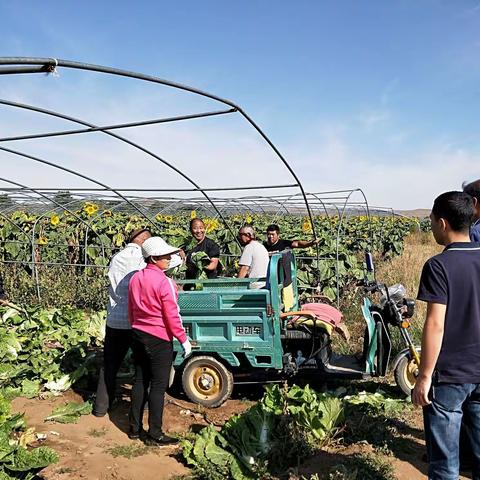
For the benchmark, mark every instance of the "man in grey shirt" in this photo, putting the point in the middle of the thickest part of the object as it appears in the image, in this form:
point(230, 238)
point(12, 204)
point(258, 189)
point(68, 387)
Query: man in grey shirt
point(118, 335)
point(254, 259)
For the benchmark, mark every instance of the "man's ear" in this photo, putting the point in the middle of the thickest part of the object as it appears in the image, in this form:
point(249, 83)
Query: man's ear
point(444, 224)
point(475, 202)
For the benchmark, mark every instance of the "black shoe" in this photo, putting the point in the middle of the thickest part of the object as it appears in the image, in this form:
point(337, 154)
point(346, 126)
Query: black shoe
point(98, 414)
point(161, 441)
point(135, 434)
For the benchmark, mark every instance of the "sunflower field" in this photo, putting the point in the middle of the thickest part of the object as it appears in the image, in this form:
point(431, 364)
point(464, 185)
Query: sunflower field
point(53, 255)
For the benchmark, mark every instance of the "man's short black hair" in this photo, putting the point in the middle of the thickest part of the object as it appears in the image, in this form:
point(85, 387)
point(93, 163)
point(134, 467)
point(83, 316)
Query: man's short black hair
point(193, 221)
point(273, 228)
point(472, 188)
point(456, 208)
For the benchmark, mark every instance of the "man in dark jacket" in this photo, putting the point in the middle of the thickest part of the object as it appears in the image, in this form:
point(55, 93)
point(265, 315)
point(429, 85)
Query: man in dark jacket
point(473, 189)
point(275, 244)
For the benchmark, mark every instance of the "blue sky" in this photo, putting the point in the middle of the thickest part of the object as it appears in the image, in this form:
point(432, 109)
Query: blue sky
point(372, 94)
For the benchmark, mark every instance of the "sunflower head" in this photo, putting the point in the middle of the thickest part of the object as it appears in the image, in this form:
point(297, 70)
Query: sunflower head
point(159, 217)
point(193, 215)
point(214, 225)
point(211, 224)
point(54, 220)
point(168, 218)
point(42, 240)
point(90, 208)
point(307, 226)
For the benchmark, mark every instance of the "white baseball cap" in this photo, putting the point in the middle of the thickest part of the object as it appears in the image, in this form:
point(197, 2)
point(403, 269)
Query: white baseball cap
point(156, 247)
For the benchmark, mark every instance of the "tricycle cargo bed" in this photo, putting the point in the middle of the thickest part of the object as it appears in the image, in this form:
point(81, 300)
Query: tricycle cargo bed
point(229, 321)
point(238, 325)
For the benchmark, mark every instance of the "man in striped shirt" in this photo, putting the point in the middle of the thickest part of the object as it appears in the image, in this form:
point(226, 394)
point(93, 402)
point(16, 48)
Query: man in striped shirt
point(118, 335)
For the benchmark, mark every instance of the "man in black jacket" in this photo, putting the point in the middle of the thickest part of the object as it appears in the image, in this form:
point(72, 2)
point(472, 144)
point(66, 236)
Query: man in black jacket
point(276, 244)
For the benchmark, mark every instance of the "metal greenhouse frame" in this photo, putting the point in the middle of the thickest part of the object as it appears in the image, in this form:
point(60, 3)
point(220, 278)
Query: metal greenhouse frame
point(212, 202)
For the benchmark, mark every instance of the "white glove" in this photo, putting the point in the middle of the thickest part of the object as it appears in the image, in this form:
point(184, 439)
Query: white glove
point(187, 348)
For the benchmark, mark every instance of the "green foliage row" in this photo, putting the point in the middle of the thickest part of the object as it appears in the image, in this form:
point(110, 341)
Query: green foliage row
point(55, 286)
point(91, 235)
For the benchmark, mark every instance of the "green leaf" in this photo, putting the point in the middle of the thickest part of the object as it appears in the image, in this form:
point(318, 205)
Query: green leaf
point(25, 460)
point(30, 388)
point(70, 412)
point(9, 345)
point(4, 408)
point(10, 313)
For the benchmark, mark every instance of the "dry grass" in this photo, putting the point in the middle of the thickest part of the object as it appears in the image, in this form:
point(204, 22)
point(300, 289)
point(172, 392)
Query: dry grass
point(406, 268)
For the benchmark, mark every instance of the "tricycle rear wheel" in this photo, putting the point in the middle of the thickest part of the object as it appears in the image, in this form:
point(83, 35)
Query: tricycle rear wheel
point(207, 381)
point(406, 373)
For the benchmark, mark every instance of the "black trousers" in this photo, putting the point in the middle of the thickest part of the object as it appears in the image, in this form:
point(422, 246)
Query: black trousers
point(116, 345)
point(153, 360)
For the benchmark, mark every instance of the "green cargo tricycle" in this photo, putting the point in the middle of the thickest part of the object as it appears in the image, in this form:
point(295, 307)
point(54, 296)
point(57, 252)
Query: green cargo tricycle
point(245, 335)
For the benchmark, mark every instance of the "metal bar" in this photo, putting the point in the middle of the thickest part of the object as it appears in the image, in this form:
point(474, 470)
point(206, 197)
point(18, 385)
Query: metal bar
point(52, 63)
point(116, 126)
point(60, 264)
point(15, 70)
point(199, 189)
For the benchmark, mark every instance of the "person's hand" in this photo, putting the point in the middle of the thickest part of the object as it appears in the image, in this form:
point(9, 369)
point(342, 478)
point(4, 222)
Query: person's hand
point(421, 391)
point(187, 348)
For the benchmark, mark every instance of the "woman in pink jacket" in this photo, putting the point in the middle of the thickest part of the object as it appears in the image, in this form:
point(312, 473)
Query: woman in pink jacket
point(155, 318)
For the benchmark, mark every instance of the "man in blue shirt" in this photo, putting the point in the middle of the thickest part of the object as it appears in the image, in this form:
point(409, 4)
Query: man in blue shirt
point(473, 189)
point(448, 384)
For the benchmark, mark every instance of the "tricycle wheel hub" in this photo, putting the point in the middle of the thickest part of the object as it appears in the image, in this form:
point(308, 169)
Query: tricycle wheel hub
point(411, 372)
point(206, 381)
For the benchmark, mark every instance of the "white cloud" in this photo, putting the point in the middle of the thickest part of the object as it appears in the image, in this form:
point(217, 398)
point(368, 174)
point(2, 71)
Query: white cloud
point(373, 118)
point(403, 182)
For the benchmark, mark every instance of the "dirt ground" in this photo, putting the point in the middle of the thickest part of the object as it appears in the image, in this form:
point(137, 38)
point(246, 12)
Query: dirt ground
point(85, 448)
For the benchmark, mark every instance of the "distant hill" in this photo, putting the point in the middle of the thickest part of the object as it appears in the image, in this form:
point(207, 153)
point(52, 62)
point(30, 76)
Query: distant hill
point(419, 212)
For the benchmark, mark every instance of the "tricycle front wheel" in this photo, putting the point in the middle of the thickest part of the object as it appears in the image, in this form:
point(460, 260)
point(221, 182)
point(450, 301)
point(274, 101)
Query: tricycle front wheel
point(406, 373)
point(207, 381)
